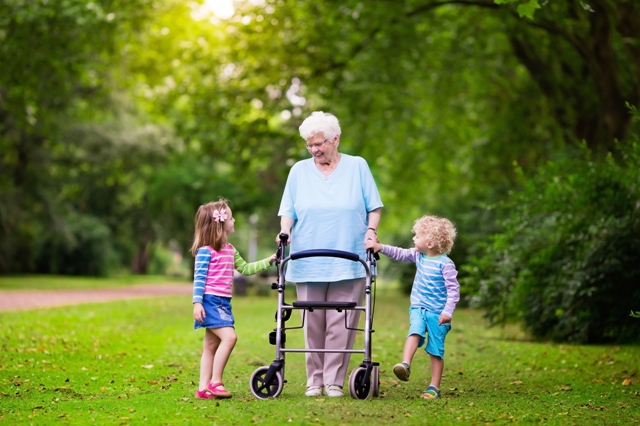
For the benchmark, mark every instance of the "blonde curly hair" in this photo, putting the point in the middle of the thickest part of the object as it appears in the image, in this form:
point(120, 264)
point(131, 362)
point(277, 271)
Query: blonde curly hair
point(437, 229)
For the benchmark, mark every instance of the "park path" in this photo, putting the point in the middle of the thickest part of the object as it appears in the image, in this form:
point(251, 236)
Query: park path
point(16, 300)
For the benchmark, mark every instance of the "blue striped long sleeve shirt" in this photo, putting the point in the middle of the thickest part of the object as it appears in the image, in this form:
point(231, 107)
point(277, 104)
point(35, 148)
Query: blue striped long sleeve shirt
point(435, 286)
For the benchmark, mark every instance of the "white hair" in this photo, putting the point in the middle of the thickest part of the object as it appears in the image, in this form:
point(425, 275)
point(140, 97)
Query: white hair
point(320, 122)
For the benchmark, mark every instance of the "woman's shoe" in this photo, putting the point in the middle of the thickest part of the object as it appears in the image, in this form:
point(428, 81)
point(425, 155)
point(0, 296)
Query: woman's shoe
point(313, 391)
point(218, 391)
point(333, 391)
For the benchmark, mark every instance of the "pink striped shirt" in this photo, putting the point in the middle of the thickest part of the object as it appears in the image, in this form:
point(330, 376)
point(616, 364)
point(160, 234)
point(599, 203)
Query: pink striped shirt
point(213, 270)
point(220, 274)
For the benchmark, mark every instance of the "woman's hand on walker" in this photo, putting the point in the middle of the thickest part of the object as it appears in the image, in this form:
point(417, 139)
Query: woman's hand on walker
point(198, 312)
point(371, 234)
point(288, 239)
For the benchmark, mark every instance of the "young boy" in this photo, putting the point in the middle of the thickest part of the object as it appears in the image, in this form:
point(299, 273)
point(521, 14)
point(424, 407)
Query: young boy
point(434, 294)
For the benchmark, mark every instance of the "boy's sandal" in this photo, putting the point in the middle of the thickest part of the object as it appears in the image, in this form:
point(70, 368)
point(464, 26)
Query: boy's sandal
point(402, 371)
point(431, 392)
point(218, 391)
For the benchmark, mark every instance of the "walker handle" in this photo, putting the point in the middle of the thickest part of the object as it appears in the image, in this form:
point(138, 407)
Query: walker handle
point(325, 253)
point(281, 247)
point(376, 256)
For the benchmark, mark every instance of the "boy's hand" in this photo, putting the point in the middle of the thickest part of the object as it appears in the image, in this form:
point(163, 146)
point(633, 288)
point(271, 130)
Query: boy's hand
point(370, 244)
point(198, 312)
point(272, 259)
point(443, 319)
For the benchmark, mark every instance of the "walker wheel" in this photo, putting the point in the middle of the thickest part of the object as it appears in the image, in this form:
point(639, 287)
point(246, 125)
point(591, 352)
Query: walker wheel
point(359, 385)
point(375, 381)
point(262, 390)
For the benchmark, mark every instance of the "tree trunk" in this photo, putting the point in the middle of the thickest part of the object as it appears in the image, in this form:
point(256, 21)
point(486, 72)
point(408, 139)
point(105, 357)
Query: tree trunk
point(140, 264)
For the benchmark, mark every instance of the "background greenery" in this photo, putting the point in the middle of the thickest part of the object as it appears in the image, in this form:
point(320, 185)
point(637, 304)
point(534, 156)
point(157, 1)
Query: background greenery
point(136, 362)
point(119, 118)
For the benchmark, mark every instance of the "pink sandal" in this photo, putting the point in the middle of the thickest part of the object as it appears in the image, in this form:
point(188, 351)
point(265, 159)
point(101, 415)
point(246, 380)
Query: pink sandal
point(204, 394)
point(214, 389)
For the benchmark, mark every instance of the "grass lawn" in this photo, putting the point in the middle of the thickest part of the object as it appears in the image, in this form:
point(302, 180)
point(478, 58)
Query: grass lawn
point(136, 362)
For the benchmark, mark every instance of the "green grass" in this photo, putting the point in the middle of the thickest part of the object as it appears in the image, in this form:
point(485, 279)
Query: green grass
point(52, 282)
point(136, 362)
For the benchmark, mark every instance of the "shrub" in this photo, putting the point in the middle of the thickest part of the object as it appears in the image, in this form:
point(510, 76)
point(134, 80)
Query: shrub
point(568, 261)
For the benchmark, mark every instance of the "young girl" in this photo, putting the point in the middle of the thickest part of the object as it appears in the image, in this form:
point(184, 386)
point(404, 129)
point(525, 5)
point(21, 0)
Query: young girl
point(434, 294)
point(212, 280)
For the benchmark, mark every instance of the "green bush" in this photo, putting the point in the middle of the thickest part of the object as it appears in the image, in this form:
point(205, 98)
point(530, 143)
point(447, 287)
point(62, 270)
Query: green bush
point(568, 261)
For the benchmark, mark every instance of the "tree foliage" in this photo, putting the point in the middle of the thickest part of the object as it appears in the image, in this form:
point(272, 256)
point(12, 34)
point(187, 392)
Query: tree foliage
point(123, 117)
point(567, 261)
point(585, 57)
point(55, 58)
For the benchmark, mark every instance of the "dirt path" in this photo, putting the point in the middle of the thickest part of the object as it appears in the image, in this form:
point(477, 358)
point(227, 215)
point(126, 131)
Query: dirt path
point(16, 300)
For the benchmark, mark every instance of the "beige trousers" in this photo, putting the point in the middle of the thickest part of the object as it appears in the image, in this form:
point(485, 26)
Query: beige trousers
point(326, 329)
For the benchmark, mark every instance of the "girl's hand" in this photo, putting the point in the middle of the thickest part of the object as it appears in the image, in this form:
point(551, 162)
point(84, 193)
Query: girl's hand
point(272, 259)
point(198, 312)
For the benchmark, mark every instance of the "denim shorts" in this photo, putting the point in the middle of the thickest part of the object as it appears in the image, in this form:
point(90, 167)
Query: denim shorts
point(422, 321)
point(218, 312)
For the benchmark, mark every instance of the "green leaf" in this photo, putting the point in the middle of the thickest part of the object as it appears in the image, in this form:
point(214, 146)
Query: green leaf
point(528, 9)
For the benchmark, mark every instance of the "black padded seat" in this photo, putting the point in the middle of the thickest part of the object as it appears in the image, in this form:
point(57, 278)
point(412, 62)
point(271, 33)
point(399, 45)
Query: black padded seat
point(310, 304)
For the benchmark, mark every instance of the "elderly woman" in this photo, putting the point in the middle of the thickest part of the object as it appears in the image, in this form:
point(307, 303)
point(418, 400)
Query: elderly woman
point(330, 201)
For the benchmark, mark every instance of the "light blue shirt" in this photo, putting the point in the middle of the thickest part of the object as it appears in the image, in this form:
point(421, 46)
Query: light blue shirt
point(329, 213)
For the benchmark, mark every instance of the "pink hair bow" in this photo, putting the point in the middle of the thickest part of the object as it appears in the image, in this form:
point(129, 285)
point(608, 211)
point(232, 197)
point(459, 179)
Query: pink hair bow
point(219, 215)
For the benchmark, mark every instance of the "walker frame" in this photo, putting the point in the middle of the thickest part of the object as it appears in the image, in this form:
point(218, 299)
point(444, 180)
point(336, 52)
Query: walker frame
point(364, 381)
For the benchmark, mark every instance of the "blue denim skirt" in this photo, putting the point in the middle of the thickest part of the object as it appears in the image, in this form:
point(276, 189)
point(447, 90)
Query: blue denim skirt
point(218, 312)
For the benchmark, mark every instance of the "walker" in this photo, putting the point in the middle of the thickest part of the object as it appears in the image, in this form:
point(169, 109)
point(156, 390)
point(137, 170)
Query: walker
point(268, 381)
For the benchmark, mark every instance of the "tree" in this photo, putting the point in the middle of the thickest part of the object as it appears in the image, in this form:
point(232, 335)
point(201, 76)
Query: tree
point(441, 95)
point(55, 57)
point(585, 57)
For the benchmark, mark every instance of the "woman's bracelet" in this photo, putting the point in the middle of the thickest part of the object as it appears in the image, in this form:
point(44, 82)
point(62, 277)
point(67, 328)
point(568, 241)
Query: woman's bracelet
point(374, 230)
